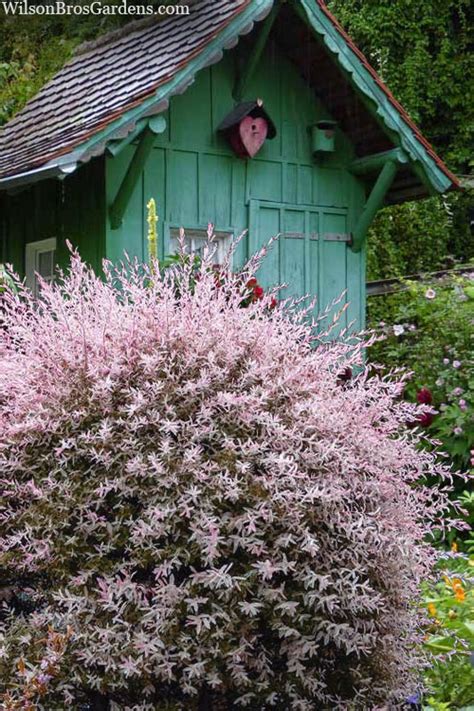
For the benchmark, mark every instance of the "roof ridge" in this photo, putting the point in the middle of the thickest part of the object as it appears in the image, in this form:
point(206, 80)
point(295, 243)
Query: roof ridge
point(125, 30)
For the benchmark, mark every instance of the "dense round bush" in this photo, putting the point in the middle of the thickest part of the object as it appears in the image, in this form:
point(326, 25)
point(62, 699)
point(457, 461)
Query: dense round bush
point(201, 507)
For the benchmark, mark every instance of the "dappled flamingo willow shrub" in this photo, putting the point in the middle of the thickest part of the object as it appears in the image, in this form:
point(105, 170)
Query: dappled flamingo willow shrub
point(200, 504)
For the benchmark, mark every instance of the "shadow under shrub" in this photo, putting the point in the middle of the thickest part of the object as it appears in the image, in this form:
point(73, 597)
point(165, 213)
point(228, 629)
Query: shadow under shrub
point(198, 500)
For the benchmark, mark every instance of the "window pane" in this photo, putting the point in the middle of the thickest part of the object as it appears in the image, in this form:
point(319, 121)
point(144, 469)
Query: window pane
point(196, 240)
point(46, 264)
point(40, 258)
point(197, 245)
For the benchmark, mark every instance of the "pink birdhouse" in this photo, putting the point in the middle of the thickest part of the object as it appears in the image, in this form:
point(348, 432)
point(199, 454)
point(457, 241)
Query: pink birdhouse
point(247, 128)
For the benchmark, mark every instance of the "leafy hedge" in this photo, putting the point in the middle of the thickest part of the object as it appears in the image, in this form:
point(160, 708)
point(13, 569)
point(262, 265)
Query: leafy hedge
point(425, 236)
point(429, 330)
point(423, 52)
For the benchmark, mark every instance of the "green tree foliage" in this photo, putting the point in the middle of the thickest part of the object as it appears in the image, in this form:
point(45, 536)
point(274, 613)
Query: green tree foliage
point(33, 49)
point(422, 51)
point(408, 238)
point(422, 236)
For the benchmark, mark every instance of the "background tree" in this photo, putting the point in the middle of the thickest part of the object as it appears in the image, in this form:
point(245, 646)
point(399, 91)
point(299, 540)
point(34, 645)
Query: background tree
point(423, 51)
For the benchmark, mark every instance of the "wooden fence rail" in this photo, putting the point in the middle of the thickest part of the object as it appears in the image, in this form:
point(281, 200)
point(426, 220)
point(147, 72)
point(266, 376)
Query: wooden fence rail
point(391, 286)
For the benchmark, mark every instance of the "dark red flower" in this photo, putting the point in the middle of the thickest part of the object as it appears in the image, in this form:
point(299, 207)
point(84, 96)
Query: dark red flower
point(252, 283)
point(344, 376)
point(424, 396)
point(425, 419)
point(273, 303)
point(258, 292)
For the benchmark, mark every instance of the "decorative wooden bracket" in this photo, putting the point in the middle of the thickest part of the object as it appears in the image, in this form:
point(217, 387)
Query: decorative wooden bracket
point(370, 164)
point(147, 133)
point(251, 64)
point(387, 163)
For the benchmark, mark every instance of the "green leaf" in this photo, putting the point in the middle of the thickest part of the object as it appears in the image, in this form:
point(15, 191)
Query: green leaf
point(470, 628)
point(441, 644)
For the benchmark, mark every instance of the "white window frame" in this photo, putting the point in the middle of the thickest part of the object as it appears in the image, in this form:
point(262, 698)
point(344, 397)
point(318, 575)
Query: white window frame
point(221, 240)
point(32, 254)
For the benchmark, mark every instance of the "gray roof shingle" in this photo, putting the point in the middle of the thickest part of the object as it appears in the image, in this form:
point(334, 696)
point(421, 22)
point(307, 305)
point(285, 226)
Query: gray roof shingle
point(106, 79)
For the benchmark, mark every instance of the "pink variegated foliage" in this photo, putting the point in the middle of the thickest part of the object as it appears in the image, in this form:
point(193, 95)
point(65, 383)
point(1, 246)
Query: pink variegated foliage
point(202, 496)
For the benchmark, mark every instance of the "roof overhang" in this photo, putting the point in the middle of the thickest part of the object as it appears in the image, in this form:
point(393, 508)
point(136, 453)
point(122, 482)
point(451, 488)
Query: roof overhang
point(157, 102)
point(55, 169)
point(377, 98)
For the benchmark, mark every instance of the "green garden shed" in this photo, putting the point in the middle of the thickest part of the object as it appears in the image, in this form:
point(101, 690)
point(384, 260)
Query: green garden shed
point(254, 115)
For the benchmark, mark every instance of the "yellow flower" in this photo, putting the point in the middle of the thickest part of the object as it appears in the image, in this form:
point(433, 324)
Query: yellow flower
point(454, 547)
point(432, 609)
point(152, 219)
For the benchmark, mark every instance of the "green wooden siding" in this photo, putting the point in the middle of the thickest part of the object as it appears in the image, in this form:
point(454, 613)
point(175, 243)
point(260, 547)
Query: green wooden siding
point(72, 210)
point(195, 178)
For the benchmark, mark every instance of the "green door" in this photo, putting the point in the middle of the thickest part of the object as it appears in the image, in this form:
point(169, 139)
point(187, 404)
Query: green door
point(310, 255)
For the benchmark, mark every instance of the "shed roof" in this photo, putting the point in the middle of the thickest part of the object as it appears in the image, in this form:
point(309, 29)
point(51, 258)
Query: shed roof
point(110, 84)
